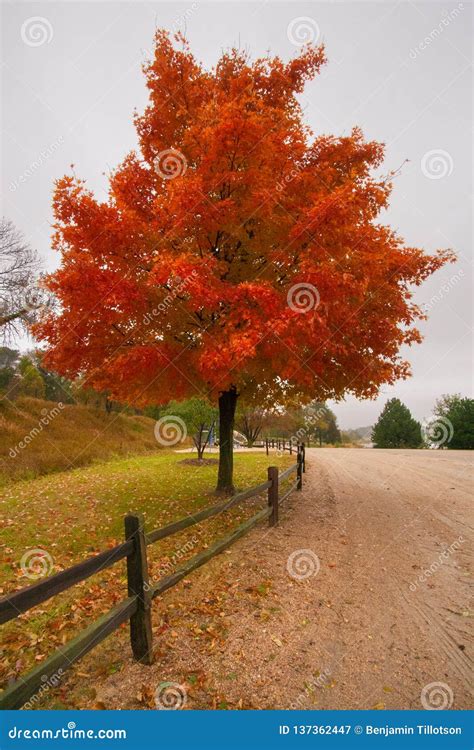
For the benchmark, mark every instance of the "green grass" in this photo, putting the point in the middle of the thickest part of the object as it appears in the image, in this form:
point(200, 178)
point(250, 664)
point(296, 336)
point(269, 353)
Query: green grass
point(74, 514)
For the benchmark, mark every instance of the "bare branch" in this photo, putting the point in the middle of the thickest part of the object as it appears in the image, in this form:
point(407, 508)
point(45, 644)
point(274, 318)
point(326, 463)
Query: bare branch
point(20, 296)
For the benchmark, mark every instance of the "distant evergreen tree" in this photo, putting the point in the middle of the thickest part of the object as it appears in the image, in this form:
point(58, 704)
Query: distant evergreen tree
point(454, 423)
point(396, 428)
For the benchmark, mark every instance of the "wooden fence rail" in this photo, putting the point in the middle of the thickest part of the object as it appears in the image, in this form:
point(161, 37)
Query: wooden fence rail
point(13, 605)
point(281, 444)
point(136, 608)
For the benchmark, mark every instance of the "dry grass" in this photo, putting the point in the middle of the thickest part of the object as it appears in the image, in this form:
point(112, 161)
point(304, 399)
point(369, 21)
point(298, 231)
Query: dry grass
point(38, 437)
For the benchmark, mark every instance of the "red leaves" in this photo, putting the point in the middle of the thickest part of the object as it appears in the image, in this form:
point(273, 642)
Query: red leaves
point(183, 281)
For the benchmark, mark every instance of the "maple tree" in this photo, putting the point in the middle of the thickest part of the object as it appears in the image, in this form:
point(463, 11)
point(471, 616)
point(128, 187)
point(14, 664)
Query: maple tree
point(236, 253)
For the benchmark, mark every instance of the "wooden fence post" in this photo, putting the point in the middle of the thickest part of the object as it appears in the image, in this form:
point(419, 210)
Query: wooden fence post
point(291, 447)
point(299, 472)
point(273, 495)
point(266, 445)
point(141, 637)
point(303, 455)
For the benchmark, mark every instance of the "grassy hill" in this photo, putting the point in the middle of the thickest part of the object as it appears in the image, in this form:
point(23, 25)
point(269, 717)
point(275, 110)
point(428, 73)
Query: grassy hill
point(38, 437)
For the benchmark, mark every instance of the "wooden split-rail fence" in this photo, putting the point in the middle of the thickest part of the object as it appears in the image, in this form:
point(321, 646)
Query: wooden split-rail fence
point(282, 444)
point(136, 607)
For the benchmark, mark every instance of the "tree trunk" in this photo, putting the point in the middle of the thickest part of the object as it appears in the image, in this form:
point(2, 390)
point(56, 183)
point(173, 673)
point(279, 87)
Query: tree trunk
point(198, 443)
point(227, 404)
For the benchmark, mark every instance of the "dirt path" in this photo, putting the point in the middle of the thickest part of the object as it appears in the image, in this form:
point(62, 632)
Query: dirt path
point(370, 628)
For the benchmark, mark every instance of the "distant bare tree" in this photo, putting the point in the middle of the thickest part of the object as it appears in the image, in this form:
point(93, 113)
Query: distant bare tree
point(20, 297)
point(249, 422)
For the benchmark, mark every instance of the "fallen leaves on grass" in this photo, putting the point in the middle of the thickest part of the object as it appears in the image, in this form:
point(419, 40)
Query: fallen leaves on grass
point(77, 514)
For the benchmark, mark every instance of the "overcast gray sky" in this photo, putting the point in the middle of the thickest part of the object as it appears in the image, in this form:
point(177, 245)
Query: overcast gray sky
point(71, 79)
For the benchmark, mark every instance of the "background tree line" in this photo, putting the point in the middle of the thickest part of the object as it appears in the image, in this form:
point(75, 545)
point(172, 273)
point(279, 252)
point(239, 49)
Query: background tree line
point(452, 425)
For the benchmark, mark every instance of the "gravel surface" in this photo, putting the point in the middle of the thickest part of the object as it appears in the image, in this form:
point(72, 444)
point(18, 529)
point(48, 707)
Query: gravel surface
point(359, 599)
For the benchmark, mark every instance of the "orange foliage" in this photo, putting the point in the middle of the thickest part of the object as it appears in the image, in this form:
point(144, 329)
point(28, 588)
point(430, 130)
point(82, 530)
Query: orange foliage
point(181, 281)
